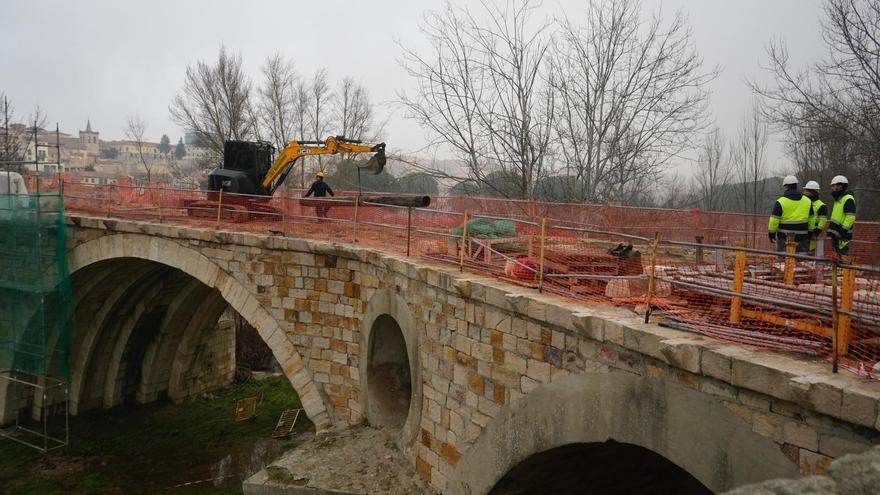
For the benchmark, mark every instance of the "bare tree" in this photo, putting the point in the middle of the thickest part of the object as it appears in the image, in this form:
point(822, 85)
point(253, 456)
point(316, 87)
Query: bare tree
point(134, 130)
point(482, 91)
point(215, 102)
point(821, 153)
point(12, 139)
point(748, 156)
point(354, 112)
point(713, 172)
point(302, 105)
point(631, 95)
point(320, 113)
point(277, 100)
point(674, 192)
point(449, 86)
point(838, 94)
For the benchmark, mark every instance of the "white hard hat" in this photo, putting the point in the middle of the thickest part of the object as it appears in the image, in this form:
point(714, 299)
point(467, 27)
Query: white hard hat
point(789, 180)
point(812, 185)
point(839, 179)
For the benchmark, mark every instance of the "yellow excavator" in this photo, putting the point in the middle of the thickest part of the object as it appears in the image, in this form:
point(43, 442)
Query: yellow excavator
point(252, 176)
point(248, 167)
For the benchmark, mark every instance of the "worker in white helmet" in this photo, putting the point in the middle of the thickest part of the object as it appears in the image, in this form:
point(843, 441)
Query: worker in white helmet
point(843, 215)
point(820, 213)
point(791, 218)
point(320, 189)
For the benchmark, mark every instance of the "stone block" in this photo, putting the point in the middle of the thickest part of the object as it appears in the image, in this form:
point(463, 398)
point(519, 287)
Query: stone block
point(860, 404)
point(515, 363)
point(839, 445)
point(718, 389)
point(423, 469)
point(434, 411)
point(812, 463)
point(801, 435)
point(527, 384)
point(553, 356)
point(682, 353)
point(767, 425)
point(450, 454)
point(769, 374)
point(476, 383)
point(538, 371)
point(488, 407)
point(482, 352)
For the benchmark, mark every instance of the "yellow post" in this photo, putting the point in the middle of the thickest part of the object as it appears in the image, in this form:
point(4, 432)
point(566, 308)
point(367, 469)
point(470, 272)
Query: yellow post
point(219, 208)
point(463, 241)
point(739, 273)
point(541, 260)
point(844, 321)
point(648, 300)
point(835, 316)
point(790, 263)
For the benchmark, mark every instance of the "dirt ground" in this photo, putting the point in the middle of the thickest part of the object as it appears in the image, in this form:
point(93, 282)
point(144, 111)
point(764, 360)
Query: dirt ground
point(360, 460)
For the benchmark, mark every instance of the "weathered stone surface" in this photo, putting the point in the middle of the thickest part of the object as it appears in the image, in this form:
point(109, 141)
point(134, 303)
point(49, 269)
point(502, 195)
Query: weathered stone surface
point(811, 485)
point(855, 474)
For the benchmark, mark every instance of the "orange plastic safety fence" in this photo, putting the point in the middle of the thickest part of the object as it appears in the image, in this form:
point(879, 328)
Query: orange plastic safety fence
point(710, 273)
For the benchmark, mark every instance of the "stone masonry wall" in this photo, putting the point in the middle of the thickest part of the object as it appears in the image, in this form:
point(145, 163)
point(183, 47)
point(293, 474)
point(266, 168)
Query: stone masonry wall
point(213, 361)
point(485, 345)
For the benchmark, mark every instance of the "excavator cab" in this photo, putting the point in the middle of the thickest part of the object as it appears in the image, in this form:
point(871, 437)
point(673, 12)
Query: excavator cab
point(245, 163)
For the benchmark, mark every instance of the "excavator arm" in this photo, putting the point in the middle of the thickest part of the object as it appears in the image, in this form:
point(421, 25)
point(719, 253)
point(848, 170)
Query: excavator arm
point(332, 145)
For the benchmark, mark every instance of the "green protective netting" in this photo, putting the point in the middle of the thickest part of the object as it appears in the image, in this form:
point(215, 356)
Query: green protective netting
point(487, 228)
point(36, 299)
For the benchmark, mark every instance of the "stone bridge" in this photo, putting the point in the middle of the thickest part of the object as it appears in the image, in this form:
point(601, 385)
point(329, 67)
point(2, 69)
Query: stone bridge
point(483, 383)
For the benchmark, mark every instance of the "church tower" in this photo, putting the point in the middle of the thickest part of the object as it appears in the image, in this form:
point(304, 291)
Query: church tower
point(89, 139)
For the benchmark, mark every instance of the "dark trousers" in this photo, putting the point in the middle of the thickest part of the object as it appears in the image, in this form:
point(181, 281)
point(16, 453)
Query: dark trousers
point(840, 246)
point(321, 211)
point(803, 242)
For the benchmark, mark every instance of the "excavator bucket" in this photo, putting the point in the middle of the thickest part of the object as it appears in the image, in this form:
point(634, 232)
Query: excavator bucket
point(376, 164)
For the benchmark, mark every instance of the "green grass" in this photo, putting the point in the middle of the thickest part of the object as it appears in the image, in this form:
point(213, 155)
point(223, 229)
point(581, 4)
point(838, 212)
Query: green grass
point(146, 449)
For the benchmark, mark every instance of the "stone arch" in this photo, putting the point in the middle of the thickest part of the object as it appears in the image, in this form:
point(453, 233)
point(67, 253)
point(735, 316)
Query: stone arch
point(693, 430)
point(191, 262)
point(386, 306)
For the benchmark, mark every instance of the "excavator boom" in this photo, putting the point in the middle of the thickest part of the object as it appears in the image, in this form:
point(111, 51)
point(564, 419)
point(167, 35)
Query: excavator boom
point(332, 145)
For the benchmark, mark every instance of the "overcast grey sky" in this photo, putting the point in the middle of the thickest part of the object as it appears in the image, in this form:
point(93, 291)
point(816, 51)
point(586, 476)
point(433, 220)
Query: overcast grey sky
point(105, 59)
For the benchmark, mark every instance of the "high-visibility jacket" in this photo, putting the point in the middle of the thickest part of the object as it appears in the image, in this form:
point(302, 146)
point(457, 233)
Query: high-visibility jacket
point(820, 214)
point(820, 220)
point(792, 214)
point(843, 215)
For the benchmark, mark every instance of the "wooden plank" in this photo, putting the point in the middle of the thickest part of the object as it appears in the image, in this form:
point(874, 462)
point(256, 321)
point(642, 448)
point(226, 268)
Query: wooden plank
point(800, 325)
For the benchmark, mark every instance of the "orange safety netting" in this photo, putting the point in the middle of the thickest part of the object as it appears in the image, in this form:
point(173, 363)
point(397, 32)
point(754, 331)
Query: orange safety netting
point(705, 272)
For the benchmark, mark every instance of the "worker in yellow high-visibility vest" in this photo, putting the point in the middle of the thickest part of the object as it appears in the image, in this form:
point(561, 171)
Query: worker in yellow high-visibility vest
point(791, 218)
point(820, 213)
point(843, 215)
